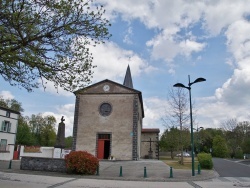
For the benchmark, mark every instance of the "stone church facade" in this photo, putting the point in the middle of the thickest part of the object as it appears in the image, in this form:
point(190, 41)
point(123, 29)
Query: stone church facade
point(108, 120)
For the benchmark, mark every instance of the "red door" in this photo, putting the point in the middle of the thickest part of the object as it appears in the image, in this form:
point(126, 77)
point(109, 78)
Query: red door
point(100, 149)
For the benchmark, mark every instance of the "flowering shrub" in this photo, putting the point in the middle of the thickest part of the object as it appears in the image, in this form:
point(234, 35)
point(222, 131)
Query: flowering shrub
point(81, 162)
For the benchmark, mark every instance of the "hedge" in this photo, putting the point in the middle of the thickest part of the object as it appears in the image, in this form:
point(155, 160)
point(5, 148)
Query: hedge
point(205, 160)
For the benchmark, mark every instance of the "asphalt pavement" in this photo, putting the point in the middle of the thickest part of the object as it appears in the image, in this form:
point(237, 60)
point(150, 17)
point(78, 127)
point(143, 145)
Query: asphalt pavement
point(232, 167)
point(142, 170)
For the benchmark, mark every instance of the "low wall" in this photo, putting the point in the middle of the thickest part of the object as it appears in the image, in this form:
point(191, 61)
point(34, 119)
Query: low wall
point(7, 155)
point(44, 152)
point(43, 164)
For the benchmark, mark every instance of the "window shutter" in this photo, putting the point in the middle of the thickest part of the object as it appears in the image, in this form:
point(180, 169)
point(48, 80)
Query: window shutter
point(2, 125)
point(9, 127)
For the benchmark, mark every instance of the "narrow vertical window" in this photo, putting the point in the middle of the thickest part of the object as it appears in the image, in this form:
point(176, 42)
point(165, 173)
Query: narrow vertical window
point(7, 114)
point(3, 145)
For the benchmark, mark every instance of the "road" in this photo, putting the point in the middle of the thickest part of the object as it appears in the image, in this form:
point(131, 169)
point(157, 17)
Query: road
point(232, 174)
point(231, 168)
point(9, 180)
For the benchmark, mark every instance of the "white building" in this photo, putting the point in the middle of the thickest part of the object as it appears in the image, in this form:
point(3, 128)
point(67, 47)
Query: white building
point(8, 129)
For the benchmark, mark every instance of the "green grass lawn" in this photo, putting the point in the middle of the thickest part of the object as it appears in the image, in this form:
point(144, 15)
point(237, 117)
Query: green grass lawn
point(175, 162)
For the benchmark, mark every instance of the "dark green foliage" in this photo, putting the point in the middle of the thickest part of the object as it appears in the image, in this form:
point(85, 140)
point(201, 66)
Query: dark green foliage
point(43, 129)
point(205, 160)
point(68, 142)
point(246, 145)
point(12, 104)
point(44, 40)
point(239, 153)
point(170, 140)
point(220, 148)
point(23, 136)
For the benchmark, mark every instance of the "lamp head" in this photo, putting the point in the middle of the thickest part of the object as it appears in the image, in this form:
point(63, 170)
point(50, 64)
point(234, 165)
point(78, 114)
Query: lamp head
point(180, 85)
point(198, 80)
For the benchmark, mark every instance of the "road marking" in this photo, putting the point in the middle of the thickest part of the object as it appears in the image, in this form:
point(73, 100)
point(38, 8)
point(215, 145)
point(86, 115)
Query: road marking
point(62, 183)
point(193, 184)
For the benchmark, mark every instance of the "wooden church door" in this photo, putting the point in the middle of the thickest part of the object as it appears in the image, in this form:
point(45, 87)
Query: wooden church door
point(103, 146)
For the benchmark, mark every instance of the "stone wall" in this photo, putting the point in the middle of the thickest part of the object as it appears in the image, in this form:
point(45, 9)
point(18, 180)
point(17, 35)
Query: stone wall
point(145, 145)
point(43, 164)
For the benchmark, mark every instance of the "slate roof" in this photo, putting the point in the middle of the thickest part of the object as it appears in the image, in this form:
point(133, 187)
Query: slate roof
point(150, 130)
point(128, 79)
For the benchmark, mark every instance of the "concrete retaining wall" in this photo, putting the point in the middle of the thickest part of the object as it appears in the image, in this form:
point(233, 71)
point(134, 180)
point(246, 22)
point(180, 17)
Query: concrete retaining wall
point(8, 155)
point(43, 164)
point(44, 152)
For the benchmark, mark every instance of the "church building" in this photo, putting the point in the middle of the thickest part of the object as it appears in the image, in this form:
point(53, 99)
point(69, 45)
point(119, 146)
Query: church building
point(108, 121)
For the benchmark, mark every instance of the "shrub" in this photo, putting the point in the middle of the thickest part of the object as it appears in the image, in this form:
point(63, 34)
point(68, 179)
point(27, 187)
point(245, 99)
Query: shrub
point(205, 160)
point(239, 154)
point(81, 162)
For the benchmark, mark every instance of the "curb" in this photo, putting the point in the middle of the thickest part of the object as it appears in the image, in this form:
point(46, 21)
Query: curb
point(211, 174)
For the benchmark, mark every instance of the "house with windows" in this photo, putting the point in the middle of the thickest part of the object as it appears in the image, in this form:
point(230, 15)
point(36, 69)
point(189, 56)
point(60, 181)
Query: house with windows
point(8, 129)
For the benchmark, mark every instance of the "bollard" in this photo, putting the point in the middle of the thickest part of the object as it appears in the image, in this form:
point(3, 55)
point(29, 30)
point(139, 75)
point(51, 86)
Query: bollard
point(120, 171)
point(199, 168)
point(145, 172)
point(10, 164)
point(97, 171)
point(171, 172)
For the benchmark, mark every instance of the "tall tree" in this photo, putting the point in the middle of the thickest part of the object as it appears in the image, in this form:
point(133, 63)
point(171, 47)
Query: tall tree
point(49, 40)
point(170, 140)
point(220, 148)
point(68, 142)
point(12, 104)
point(207, 136)
point(177, 113)
point(43, 129)
point(229, 124)
point(23, 136)
point(236, 133)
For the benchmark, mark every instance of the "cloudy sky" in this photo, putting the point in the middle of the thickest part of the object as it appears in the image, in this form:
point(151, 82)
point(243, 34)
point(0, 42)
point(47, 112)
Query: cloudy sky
point(164, 41)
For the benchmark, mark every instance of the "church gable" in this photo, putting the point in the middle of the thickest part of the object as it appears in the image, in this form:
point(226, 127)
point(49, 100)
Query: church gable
point(106, 87)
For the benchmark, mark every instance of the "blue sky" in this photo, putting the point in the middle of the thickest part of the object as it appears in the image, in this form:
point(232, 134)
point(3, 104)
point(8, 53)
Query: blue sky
point(164, 41)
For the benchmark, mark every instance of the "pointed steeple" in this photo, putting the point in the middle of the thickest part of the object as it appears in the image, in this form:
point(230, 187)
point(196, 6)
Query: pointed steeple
point(128, 79)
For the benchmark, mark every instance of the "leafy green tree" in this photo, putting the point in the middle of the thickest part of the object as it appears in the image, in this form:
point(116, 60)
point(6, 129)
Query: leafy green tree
point(220, 147)
point(23, 136)
point(169, 140)
point(246, 145)
point(12, 104)
point(49, 40)
point(236, 133)
point(43, 129)
point(68, 142)
point(206, 136)
point(48, 135)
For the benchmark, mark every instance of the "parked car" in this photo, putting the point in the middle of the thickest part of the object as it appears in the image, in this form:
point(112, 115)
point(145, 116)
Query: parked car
point(185, 154)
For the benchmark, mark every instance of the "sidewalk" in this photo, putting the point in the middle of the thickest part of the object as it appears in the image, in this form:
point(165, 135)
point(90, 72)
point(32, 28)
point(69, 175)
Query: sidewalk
point(131, 170)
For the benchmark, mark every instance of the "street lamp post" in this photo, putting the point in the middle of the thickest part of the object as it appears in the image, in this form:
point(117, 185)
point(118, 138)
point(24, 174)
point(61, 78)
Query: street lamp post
point(198, 144)
point(191, 116)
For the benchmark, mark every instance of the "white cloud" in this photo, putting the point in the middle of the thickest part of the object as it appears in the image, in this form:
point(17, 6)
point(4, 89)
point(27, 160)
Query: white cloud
point(68, 112)
point(154, 109)
point(166, 46)
point(218, 15)
point(238, 40)
point(6, 95)
point(127, 37)
point(112, 62)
